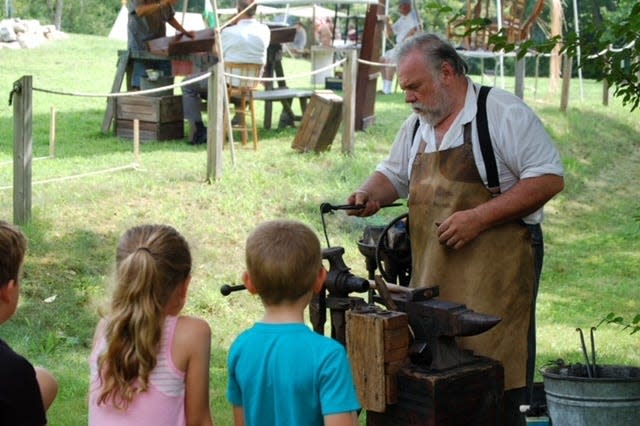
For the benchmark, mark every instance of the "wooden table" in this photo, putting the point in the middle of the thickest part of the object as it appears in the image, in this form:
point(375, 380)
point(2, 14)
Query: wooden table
point(124, 72)
point(196, 50)
point(286, 97)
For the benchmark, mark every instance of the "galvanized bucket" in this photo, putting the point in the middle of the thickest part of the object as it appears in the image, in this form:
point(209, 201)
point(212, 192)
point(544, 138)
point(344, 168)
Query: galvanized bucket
point(610, 398)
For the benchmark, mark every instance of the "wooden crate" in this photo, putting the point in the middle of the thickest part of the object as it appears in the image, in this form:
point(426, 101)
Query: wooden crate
point(378, 347)
point(157, 109)
point(150, 131)
point(471, 394)
point(320, 122)
point(161, 118)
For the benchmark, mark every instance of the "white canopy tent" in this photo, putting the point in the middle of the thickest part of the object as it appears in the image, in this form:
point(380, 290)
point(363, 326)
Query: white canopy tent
point(312, 9)
point(194, 21)
point(119, 27)
point(317, 2)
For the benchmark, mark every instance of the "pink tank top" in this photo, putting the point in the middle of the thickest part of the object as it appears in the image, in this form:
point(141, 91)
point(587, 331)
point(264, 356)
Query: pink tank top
point(161, 405)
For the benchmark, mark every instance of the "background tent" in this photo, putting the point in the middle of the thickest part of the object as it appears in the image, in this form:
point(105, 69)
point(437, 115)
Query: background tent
point(119, 28)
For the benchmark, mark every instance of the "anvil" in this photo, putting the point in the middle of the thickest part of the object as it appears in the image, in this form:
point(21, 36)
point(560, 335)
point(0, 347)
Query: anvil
point(435, 324)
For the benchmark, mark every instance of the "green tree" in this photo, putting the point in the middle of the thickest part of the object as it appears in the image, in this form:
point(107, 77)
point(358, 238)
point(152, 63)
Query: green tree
point(72, 16)
point(607, 42)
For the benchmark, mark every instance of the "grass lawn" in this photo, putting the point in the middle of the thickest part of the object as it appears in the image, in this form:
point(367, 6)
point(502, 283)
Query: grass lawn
point(592, 229)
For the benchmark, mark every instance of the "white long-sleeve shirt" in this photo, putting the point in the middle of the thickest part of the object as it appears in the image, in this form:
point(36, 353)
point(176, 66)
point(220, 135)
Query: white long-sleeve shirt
point(522, 146)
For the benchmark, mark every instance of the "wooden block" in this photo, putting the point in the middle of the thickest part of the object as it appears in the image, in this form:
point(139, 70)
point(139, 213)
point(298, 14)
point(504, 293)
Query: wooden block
point(468, 395)
point(395, 355)
point(320, 123)
point(396, 338)
point(280, 34)
point(391, 391)
point(158, 109)
point(150, 131)
point(169, 46)
point(371, 360)
point(204, 39)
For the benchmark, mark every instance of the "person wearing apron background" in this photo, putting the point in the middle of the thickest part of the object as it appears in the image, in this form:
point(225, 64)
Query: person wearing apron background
point(146, 21)
point(474, 227)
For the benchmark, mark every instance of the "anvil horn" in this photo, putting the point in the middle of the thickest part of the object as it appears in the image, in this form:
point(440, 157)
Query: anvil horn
point(470, 323)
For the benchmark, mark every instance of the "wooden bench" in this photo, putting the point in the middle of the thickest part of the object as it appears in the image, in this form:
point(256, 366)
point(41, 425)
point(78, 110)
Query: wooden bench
point(286, 97)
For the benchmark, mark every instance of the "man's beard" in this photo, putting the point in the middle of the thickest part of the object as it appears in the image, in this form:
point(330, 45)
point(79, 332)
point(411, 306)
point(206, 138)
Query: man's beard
point(443, 105)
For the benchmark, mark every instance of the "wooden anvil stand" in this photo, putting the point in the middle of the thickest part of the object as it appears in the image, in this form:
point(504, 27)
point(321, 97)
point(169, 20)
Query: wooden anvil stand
point(462, 396)
point(448, 386)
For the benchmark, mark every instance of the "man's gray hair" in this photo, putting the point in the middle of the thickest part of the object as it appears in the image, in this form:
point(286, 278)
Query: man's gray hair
point(436, 51)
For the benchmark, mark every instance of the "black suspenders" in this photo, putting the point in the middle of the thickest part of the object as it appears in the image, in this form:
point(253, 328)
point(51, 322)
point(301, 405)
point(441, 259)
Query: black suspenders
point(488, 156)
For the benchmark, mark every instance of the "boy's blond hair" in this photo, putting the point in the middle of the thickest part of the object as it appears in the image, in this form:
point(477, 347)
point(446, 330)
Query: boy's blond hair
point(13, 245)
point(283, 260)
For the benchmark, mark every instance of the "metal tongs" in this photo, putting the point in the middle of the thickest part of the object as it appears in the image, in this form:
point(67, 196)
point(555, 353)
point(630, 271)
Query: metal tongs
point(592, 370)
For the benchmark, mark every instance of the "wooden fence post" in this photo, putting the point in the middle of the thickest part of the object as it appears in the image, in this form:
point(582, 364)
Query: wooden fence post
point(136, 143)
point(22, 148)
point(215, 131)
point(566, 82)
point(52, 133)
point(349, 102)
point(520, 74)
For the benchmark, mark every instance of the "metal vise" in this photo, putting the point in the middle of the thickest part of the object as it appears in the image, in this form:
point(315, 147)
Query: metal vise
point(335, 295)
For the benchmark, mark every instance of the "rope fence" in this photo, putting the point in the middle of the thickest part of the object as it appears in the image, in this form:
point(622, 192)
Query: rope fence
point(23, 144)
point(78, 176)
point(22, 92)
point(188, 81)
point(612, 49)
point(216, 79)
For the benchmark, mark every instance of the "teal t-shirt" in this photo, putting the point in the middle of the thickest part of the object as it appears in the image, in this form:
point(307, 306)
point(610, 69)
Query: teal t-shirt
point(286, 374)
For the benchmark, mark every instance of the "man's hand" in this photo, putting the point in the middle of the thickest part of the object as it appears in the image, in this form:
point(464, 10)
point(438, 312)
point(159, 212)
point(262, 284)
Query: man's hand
point(375, 192)
point(460, 228)
point(361, 197)
point(524, 198)
point(190, 34)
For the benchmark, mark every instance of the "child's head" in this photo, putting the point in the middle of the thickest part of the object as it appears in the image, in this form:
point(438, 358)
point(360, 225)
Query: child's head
point(151, 262)
point(13, 246)
point(283, 261)
point(153, 267)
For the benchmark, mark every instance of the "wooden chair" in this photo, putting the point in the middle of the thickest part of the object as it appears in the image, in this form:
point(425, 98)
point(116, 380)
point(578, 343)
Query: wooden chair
point(241, 96)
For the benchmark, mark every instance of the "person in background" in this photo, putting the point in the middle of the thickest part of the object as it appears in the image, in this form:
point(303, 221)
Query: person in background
point(280, 371)
point(245, 42)
point(149, 364)
point(406, 26)
point(299, 44)
point(352, 34)
point(147, 19)
point(26, 392)
point(474, 220)
point(324, 32)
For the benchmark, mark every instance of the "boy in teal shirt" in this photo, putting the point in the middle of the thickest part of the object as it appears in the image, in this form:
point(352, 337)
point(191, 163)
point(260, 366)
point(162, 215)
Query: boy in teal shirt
point(280, 371)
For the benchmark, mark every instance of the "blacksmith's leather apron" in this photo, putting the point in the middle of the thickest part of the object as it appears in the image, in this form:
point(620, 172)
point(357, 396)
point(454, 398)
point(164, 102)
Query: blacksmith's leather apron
point(493, 274)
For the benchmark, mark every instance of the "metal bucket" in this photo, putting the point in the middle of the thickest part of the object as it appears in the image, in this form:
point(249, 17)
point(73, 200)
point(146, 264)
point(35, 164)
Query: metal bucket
point(612, 398)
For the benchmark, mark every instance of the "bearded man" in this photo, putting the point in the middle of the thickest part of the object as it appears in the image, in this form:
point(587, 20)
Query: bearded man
point(474, 216)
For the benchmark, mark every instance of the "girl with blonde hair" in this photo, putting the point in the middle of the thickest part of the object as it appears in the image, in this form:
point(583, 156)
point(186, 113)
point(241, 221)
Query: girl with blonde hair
point(150, 365)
